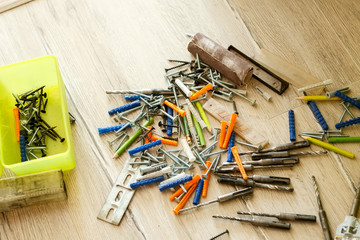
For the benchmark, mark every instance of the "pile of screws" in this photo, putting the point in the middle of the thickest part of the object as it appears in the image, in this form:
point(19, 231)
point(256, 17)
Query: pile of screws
point(34, 129)
point(190, 81)
point(194, 75)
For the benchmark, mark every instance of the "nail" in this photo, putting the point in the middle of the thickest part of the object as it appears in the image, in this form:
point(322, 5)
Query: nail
point(258, 148)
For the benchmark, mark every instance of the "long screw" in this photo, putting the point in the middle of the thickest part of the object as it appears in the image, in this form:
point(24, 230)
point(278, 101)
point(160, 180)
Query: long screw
point(220, 234)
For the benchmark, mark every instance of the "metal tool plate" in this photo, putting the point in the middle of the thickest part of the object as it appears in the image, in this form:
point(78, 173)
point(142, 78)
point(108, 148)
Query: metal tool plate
point(262, 74)
point(120, 195)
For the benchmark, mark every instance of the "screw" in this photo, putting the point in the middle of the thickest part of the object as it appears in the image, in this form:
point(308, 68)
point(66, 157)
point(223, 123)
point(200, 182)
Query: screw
point(128, 120)
point(214, 136)
point(53, 131)
point(228, 94)
point(226, 231)
point(214, 153)
point(176, 72)
point(154, 159)
point(258, 148)
point(178, 61)
point(346, 107)
point(166, 125)
point(253, 102)
point(33, 137)
point(36, 148)
point(28, 130)
point(140, 94)
point(221, 96)
point(230, 85)
point(197, 61)
point(44, 106)
point(116, 138)
point(211, 166)
point(168, 154)
point(199, 157)
point(72, 118)
point(177, 66)
point(174, 157)
point(121, 129)
point(24, 95)
point(206, 149)
point(177, 199)
point(146, 102)
point(128, 111)
point(121, 141)
point(140, 116)
point(32, 154)
point(172, 118)
point(179, 159)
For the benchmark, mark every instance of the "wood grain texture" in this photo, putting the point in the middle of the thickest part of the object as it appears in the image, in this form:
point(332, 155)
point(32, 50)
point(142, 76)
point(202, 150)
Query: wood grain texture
point(112, 44)
point(249, 133)
point(10, 4)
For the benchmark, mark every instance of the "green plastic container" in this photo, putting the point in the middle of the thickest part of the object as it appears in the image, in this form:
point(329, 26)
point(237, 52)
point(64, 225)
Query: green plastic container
point(21, 77)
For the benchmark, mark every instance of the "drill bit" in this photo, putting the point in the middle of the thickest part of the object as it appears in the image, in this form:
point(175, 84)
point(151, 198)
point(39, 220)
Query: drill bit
point(283, 154)
point(355, 204)
point(252, 183)
point(142, 91)
point(248, 167)
point(282, 147)
point(258, 221)
point(260, 178)
point(322, 214)
point(273, 161)
point(222, 198)
point(283, 216)
point(266, 162)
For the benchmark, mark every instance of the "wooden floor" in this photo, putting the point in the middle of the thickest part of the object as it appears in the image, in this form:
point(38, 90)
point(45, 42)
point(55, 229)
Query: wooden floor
point(112, 44)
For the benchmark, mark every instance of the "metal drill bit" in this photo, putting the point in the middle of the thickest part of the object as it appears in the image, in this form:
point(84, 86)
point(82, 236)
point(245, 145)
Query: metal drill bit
point(355, 204)
point(256, 156)
point(288, 146)
point(322, 214)
point(282, 147)
point(252, 183)
point(222, 198)
point(273, 161)
point(143, 91)
point(283, 216)
point(248, 167)
point(260, 178)
point(257, 221)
